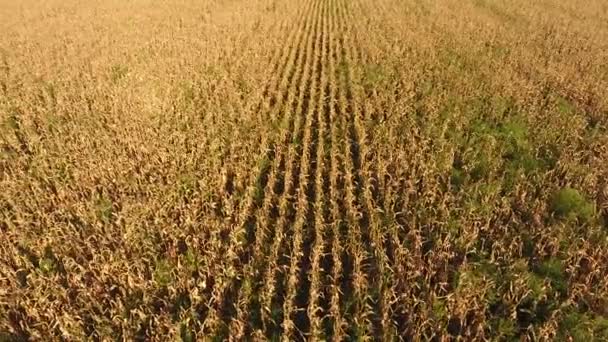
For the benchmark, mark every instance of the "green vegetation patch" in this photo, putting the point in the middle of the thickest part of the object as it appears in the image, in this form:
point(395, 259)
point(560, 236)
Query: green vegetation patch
point(162, 272)
point(374, 74)
point(495, 147)
point(552, 269)
point(118, 72)
point(583, 327)
point(11, 122)
point(104, 209)
point(49, 264)
point(571, 204)
point(187, 184)
point(264, 168)
point(564, 106)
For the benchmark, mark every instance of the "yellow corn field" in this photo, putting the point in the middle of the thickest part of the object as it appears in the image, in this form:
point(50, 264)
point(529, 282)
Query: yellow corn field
point(303, 170)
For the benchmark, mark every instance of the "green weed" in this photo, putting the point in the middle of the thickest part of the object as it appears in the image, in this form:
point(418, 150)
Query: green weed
point(185, 333)
point(553, 270)
point(264, 168)
point(187, 184)
point(104, 209)
point(571, 204)
point(162, 272)
point(118, 72)
point(564, 106)
point(504, 328)
point(373, 75)
point(583, 327)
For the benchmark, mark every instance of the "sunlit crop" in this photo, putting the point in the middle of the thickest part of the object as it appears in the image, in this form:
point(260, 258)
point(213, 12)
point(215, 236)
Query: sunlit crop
point(320, 169)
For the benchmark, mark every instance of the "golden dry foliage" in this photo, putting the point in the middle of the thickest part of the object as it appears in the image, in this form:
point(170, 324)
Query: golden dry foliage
point(320, 169)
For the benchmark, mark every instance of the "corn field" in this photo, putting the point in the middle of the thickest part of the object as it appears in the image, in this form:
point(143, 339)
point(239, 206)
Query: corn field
point(303, 170)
